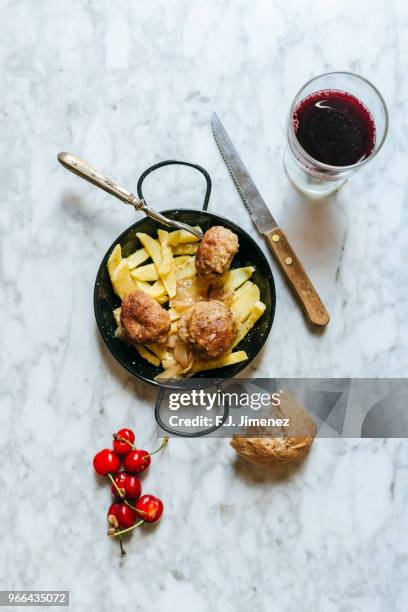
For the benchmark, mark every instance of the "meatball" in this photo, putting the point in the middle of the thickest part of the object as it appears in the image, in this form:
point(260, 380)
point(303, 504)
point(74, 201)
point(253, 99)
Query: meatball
point(215, 253)
point(143, 320)
point(208, 327)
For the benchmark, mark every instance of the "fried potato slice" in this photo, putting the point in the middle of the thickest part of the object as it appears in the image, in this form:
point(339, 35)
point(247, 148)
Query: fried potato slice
point(186, 248)
point(156, 291)
point(169, 363)
point(145, 273)
point(181, 260)
point(160, 351)
point(166, 253)
point(122, 282)
point(114, 259)
point(186, 269)
point(241, 291)
point(163, 261)
point(256, 313)
point(172, 372)
point(183, 236)
point(243, 302)
point(137, 258)
point(170, 283)
point(116, 315)
point(152, 246)
point(219, 362)
point(146, 354)
point(163, 299)
point(237, 277)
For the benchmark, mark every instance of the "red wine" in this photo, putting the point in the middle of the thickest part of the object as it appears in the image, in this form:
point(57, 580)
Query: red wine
point(334, 127)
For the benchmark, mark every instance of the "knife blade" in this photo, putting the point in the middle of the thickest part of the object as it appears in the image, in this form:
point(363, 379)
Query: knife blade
point(265, 223)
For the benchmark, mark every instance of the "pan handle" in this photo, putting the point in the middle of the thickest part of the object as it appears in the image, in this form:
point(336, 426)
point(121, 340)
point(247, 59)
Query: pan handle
point(170, 162)
point(183, 434)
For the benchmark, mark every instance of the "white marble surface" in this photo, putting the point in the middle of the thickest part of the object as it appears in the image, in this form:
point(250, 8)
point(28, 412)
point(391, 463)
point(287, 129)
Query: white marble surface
point(125, 85)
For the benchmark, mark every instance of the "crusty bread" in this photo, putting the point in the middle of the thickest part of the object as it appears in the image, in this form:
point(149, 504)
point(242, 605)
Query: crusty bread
point(286, 444)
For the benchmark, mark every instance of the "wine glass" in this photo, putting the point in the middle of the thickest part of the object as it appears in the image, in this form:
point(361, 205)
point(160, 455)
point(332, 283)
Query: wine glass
point(340, 106)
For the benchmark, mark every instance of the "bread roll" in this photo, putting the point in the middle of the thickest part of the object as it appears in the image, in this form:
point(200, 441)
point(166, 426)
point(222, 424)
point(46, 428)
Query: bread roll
point(285, 444)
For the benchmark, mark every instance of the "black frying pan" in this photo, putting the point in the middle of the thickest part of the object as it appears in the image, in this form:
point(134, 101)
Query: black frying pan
point(250, 253)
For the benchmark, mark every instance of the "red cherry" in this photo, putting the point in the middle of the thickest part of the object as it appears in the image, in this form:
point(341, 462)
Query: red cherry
point(121, 447)
point(129, 484)
point(125, 516)
point(106, 462)
point(137, 461)
point(119, 480)
point(149, 508)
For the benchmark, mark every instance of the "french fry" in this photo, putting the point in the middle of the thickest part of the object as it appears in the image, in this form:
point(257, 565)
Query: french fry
point(247, 286)
point(238, 276)
point(144, 286)
point(156, 291)
point(168, 363)
point(166, 253)
point(137, 258)
point(170, 283)
point(187, 269)
point(256, 313)
point(219, 362)
point(160, 351)
point(146, 354)
point(173, 328)
point(116, 315)
point(182, 236)
point(166, 267)
point(120, 333)
point(174, 371)
point(122, 282)
point(186, 248)
point(145, 273)
point(181, 260)
point(114, 259)
point(241, 307)
point(152, 246)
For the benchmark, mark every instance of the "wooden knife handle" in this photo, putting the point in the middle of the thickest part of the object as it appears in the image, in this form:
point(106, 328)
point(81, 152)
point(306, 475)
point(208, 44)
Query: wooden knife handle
point(298, 279)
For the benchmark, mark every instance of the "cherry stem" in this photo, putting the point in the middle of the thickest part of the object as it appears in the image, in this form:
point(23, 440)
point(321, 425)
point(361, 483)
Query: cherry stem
point(162, 445)
point(120, 439)
point(120, 493)
point(122, 550)
point(130, 505)
point(125, 501)
point(120, 533)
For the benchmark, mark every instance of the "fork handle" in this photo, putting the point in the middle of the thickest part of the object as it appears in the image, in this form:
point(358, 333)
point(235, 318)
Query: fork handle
point(86, 171)
point(81, 168)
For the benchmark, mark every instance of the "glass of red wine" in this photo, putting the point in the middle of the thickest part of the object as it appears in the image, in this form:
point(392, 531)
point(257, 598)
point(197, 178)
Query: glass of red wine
point(337, 122)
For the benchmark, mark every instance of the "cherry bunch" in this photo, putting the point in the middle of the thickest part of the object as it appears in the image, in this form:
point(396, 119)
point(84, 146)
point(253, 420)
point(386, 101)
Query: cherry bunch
point(130, 509)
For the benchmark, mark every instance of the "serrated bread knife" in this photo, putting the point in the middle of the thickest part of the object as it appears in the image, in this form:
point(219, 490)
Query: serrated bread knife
point(299, 281)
